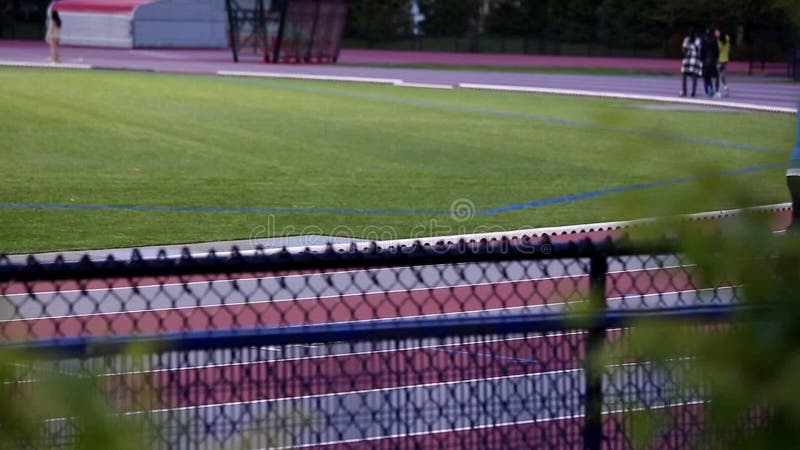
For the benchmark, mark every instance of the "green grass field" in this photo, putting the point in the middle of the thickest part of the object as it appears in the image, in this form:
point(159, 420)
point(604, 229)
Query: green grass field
point(117, 138)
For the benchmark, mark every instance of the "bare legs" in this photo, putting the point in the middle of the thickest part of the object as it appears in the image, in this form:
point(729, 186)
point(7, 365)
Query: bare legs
point(721, 77)
point(54, 53)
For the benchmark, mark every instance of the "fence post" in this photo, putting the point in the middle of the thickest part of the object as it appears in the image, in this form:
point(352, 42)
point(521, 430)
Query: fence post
point(233, 28)
point(276, 52)
point(311, 42)
point(593, 365)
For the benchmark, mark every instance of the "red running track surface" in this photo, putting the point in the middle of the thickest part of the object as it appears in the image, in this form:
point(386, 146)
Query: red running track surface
point(344, 308)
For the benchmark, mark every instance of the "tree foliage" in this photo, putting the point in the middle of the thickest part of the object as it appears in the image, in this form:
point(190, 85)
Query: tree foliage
point(625, 23)
point(449, 17)
point(379, 20)
point(507, 17)
point(746, 368)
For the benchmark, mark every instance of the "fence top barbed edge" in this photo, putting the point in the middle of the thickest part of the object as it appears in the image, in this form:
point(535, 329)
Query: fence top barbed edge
point(330, 258)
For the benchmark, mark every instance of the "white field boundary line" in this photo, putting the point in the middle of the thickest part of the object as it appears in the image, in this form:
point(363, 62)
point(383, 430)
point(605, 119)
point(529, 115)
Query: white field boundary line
point(510, 88)
point(550, 231)
point(566, 230)
point(45, 65)
point(300, 76)
point(425, 85)
point(623, 96)
point(576, 230)
point(492, 87)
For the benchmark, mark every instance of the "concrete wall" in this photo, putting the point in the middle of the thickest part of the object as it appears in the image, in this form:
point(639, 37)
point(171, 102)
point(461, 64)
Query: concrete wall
point(181, 24)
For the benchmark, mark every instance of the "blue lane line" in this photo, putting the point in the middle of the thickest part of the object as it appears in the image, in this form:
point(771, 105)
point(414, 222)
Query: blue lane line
point(568, 198)
point(219, 209)
point(407, 212)
point(512, 115)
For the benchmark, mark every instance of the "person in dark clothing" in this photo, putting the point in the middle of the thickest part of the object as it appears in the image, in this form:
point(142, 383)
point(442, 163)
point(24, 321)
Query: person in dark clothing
point(691, 66)
point(709, 54)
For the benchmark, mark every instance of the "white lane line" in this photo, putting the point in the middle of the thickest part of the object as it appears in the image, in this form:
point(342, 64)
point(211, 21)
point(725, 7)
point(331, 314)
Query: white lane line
point(270, 301)
point(322, 297)
point(301, 76)
point(495, 425)
point(547, 307)
point(47, 65)
point(196, 283)
point(371, 271)
point(623, 96)
point(368, 391)
point(398, 388)
point(425, 85)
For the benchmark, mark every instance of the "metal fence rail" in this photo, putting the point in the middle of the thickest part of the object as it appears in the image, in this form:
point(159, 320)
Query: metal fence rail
point(482, 345)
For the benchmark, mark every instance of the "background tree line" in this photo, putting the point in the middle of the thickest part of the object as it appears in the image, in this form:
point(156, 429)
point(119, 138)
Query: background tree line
point(625, 23)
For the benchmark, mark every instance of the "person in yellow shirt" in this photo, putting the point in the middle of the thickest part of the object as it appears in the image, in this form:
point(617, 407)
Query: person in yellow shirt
point(724, 42)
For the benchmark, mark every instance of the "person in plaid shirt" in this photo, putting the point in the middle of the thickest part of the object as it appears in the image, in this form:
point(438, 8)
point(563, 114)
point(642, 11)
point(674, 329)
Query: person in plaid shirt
point(692, 65)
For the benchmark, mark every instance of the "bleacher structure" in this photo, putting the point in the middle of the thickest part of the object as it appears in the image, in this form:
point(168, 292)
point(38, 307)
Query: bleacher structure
point(271, 30)
point(288, 30)
point(143, 23)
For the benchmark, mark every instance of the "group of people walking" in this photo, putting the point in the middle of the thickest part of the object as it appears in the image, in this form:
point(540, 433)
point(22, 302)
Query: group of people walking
point(706, 56)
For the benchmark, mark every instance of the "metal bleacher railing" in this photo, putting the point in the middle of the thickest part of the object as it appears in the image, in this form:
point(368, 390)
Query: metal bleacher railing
point(473, 345)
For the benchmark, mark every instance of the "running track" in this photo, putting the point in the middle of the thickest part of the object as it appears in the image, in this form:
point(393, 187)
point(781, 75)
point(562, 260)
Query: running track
point(493, 390)
point(744, 90)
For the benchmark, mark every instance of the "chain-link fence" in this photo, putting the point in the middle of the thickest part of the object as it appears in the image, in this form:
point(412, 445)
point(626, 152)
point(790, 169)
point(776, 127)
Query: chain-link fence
point(475, 345)
point(238, 290)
